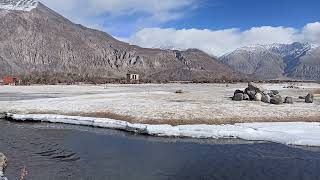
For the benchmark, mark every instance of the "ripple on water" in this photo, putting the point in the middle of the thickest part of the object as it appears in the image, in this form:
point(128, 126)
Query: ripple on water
point(31, 149)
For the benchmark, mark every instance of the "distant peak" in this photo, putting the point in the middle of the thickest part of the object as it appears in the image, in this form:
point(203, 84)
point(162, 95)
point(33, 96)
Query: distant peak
point(256, 47)
point(18, 5)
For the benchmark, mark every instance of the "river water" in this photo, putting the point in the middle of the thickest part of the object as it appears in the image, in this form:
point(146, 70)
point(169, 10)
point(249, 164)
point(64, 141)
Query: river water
point(62, 152)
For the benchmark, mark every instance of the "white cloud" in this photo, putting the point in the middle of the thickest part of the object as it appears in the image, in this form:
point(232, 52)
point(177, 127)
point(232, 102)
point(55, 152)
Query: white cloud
point(213, 42)
point(311, 32)
point(220, 42)
point(268, 35)
point(92, 12)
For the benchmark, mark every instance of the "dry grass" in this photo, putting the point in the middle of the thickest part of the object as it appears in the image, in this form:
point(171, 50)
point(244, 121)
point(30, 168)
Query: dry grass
point(105, 115)
point(221, 121)
point(175, 122)
point(316, 91)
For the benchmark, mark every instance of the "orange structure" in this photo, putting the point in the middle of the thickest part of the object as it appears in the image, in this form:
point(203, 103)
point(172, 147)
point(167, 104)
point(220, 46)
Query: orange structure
point(10, 80)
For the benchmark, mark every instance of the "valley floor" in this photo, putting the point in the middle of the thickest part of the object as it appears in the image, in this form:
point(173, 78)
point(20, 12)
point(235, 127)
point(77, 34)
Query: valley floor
point(158, 103)
point(157, 110)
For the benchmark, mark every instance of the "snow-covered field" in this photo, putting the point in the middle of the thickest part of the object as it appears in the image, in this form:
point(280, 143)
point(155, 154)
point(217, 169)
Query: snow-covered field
point(154, 104)
point(150, 108)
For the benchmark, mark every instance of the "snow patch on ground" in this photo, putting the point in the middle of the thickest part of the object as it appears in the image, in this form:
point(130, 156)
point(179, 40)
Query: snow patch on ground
point(200, 103)
point(18, 5)
point(289, 133)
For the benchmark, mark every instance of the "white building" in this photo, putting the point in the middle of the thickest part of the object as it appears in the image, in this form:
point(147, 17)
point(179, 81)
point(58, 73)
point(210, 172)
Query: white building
point(133, 77)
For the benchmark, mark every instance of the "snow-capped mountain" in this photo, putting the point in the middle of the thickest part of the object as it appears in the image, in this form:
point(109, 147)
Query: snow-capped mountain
point(18, 5)
point(294, 50)
point(38, 43)
point(307, 66)
point(275, 60)
point(256, 61)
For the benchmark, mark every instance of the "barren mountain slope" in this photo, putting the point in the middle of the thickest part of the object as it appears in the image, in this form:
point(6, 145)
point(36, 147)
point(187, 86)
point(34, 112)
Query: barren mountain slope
point(37, 40)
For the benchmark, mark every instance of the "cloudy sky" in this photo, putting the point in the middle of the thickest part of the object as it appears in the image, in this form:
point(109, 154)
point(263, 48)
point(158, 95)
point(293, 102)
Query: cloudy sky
point(214, 26)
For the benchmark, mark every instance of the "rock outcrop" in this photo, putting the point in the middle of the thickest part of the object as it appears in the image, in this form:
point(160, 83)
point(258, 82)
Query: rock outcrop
point(258, 97)
point(288, 100)
point(309, 98)
point(276, 100)
point(238, 97)
point(266, 98)
point(256, 93)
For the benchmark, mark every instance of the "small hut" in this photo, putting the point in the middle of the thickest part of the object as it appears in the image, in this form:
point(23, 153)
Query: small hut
point(133, 77)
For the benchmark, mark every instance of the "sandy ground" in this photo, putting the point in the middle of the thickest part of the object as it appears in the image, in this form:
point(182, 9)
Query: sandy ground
point(159, 104)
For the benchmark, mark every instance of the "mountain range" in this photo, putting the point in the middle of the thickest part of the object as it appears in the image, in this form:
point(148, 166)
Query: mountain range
point(38, 43)
point(277, 61)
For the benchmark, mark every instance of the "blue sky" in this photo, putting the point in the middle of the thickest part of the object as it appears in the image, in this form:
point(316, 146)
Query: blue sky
point(244, 14)
point(224, 14)
point(214, 26)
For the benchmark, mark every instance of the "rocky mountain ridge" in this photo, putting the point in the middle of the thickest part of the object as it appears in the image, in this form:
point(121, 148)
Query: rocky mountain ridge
point(38, 43)
point(277, 61)
point(18, 5)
